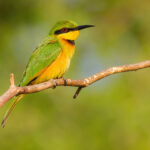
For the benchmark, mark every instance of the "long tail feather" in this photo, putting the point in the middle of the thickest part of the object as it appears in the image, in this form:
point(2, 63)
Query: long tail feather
point(16, 100)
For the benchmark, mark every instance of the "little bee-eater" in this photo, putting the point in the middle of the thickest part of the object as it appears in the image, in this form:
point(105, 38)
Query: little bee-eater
point(51, 59)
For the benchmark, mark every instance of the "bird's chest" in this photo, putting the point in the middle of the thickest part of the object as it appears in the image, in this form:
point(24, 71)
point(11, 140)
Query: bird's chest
point(62, 63)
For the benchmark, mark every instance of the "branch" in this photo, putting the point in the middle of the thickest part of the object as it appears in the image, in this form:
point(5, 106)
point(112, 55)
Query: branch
point(15, 90)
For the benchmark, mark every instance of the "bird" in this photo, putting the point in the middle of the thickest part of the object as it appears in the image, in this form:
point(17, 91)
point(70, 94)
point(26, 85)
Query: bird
point(51, 59)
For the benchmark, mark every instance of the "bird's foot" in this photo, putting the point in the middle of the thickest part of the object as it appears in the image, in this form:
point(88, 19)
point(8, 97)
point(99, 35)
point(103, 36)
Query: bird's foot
point(65, 81)
point(55, 84)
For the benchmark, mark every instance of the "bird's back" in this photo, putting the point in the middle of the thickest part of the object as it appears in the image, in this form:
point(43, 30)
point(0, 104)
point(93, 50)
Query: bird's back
point(47, 51)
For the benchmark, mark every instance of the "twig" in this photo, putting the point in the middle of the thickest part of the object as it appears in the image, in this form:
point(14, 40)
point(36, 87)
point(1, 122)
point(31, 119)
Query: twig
point(15, 90)
point(77, 92)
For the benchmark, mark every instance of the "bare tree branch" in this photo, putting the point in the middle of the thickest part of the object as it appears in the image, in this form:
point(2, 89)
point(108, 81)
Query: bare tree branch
point(15, 90)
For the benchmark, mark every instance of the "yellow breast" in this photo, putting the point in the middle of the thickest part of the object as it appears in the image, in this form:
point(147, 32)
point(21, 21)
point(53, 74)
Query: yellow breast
point(60, 65)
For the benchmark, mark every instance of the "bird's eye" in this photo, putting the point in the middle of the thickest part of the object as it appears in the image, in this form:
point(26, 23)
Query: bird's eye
point(64, 29)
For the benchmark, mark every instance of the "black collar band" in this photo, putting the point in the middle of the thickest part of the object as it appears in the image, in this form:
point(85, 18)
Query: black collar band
point(71, 42)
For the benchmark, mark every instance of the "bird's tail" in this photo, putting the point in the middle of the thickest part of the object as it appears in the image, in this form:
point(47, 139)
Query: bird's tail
point(15, 101)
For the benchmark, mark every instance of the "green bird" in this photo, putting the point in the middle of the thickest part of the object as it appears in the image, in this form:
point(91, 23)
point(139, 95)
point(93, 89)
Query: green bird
point(51, 59)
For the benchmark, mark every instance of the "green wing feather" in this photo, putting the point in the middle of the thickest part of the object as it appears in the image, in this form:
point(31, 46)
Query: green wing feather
point(42, 57)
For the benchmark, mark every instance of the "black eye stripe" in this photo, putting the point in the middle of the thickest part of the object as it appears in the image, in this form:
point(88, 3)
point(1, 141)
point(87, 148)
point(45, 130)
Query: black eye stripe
point(67, 30)
point(58, 32)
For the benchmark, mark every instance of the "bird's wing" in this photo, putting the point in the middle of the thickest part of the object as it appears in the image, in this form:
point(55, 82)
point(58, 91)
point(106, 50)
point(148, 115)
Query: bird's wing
point(41, 58)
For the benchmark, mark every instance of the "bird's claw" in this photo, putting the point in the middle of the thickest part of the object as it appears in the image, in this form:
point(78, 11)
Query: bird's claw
point(55, 84)
point(65, 81)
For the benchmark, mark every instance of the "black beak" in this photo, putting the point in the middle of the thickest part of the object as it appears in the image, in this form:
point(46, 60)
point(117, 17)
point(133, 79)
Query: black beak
point(84, 26)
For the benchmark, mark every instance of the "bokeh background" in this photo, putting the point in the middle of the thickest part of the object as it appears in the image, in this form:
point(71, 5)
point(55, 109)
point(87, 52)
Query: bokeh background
point(112, 114)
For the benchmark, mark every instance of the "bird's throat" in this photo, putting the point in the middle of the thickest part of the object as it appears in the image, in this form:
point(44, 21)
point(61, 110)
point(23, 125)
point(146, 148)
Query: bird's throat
point(68, 47)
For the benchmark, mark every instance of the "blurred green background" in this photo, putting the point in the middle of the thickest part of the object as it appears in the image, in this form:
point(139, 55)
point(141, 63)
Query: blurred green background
point(112, 114)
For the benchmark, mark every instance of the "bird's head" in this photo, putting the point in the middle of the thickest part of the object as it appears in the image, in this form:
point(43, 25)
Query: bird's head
point(67, 30)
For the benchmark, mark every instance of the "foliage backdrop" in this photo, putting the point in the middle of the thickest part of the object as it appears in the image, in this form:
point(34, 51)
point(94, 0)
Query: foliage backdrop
point(112, 114)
